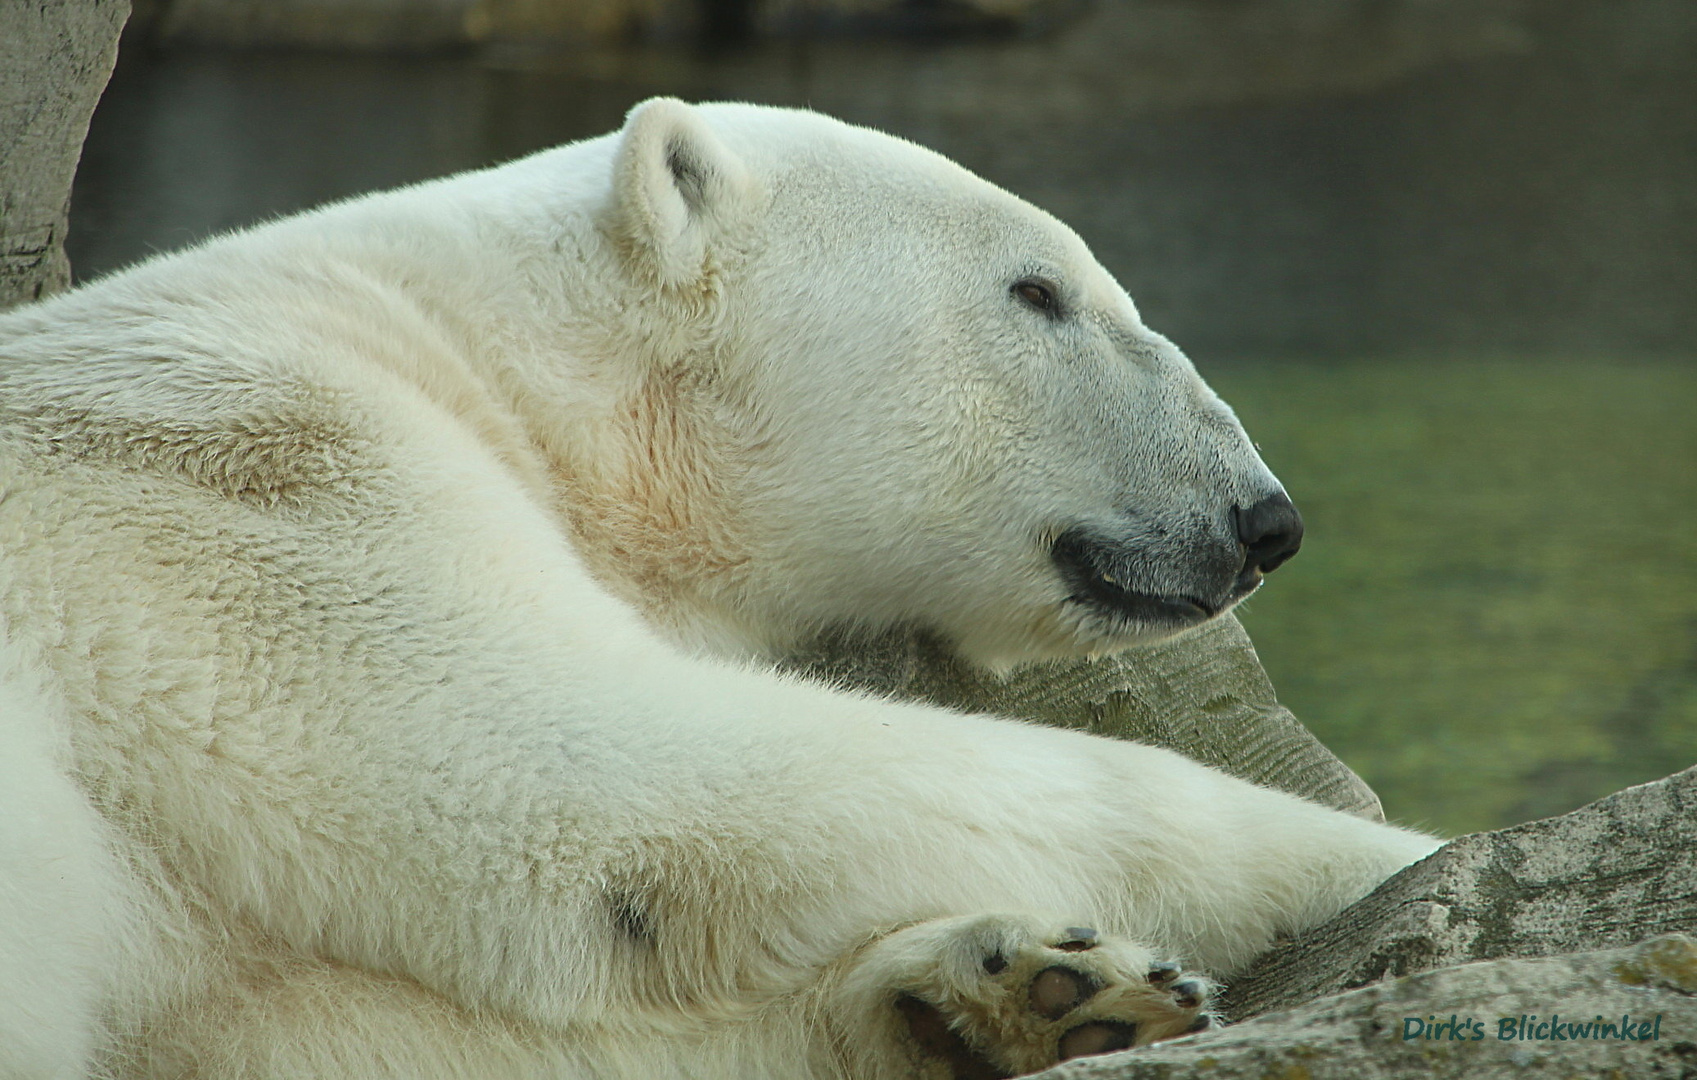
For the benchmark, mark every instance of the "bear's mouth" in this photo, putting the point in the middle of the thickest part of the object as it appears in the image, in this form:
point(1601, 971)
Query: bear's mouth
point(1095, 572)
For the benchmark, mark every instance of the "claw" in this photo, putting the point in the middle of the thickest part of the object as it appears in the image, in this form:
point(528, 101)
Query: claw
point(1078, 939)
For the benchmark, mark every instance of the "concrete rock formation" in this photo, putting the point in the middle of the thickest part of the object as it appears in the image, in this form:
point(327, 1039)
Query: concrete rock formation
point(1204, 695)
point(1610, 874)
point(1565, 921)
point(1628, 1012)
point(54, 62)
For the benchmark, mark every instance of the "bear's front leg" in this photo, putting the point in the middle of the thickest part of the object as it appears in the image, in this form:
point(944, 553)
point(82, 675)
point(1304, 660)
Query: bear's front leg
point(996, 996)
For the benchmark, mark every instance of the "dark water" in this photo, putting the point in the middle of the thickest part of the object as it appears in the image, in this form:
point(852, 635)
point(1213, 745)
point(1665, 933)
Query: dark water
point(1472, 211)
point(1320, 176)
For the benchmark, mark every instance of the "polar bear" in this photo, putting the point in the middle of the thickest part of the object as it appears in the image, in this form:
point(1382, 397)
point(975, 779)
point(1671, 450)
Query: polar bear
point(389, 592)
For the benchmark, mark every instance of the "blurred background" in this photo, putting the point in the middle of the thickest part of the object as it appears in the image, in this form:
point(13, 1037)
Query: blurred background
point(1440, 254)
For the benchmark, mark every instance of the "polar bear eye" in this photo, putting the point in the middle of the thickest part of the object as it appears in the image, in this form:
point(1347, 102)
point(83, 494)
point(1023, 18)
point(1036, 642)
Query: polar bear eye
point(1037, 293)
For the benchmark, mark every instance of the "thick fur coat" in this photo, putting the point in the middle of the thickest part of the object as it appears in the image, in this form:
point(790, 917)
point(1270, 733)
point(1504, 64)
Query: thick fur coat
point(387, 592)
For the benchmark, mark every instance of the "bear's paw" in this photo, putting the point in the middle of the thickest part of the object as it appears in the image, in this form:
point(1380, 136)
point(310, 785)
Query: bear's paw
point(992, 997)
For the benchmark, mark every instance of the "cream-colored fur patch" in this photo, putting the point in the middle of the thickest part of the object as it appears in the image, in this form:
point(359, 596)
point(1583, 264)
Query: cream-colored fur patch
point(386, 601)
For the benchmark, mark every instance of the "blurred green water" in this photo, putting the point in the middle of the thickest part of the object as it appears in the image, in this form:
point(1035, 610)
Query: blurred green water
point(1494, 616)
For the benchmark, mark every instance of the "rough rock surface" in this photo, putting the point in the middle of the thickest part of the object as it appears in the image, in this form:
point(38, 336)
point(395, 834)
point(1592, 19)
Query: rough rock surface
point(1204, 695)
point(1520, 1018)
point(55, 59)
point(1613, 873)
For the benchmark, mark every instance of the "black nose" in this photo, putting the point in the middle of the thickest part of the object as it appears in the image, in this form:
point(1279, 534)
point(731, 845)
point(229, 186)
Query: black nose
point(1270, 532)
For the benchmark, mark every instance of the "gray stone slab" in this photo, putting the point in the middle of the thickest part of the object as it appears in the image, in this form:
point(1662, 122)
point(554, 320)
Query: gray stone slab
point(55, 59)
point(1526, 1019)
point(1203, 694)
point(1615, 872)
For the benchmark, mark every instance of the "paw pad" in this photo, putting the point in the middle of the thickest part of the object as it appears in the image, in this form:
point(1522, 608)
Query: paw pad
point(1099, 1037)
point(1039, 998)
point(1056, 991)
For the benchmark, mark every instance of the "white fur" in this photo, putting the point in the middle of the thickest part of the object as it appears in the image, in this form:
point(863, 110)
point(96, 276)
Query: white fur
point(369, 580)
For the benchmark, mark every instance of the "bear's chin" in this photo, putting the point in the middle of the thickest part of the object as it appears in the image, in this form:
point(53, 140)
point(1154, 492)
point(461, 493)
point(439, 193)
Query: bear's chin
point(1146, 617)
point(1099, 625)
point(1136, 619)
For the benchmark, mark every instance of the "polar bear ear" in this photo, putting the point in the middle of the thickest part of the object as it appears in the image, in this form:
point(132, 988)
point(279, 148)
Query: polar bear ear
point(675, 188)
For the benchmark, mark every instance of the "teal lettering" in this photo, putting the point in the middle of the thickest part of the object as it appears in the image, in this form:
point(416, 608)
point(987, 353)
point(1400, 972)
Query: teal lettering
point(1657, 1034)
point(1418, 1029)
point(1507, 1026)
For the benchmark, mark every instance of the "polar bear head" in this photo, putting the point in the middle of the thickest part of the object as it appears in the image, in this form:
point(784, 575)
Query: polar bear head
point(851, 382)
